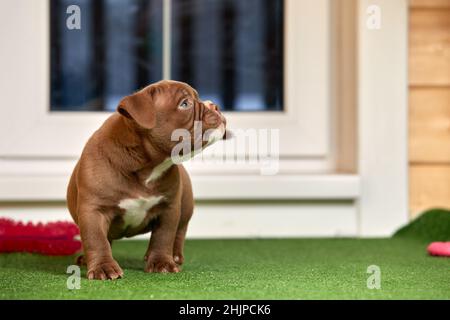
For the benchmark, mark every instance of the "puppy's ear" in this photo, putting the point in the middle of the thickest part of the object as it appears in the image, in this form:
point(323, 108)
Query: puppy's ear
point(139, 107)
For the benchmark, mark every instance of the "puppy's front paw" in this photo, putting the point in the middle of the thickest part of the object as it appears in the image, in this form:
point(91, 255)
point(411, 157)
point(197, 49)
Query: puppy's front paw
point(161, 264)
point(105, 270)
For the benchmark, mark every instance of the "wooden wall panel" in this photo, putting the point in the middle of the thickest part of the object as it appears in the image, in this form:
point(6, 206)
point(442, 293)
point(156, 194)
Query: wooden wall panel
point(429, 125)
point(429, 116)
point(429, 55)
point(429, 3)
point(429, 187)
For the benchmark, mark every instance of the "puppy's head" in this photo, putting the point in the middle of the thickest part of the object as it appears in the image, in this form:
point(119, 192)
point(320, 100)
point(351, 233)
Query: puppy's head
point(166, 106)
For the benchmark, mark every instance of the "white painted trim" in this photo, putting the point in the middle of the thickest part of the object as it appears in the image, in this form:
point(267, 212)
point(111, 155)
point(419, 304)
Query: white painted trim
point(51, 167)
point(236, 220)
point(46, 180)
point(41, 187)
point(382, 118)
point(310, 187)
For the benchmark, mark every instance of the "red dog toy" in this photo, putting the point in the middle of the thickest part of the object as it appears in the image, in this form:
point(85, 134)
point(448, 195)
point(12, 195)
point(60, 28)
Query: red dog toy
point(439, 249)
point(53, 238)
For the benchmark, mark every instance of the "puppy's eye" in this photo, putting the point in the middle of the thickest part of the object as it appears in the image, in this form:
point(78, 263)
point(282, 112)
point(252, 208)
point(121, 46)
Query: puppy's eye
point(185, 104)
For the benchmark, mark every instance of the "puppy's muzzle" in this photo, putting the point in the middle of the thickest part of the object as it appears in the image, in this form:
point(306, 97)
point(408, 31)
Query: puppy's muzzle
point(213, 118)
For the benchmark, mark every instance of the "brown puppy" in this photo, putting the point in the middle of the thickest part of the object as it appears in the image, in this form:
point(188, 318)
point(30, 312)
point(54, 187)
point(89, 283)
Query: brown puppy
point(126, 182)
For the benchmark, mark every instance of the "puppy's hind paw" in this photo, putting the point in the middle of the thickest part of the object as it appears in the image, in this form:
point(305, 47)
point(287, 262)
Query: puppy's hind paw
point(161, 265)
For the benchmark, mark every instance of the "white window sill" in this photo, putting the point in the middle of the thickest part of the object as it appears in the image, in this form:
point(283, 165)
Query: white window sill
point(280, 187)
point(46, 180)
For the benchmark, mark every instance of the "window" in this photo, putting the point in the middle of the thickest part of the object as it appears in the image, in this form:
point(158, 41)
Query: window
point(281, 70)
point(231, 51)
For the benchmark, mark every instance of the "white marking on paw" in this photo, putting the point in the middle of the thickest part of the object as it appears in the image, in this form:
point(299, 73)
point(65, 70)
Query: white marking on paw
point(136, 209)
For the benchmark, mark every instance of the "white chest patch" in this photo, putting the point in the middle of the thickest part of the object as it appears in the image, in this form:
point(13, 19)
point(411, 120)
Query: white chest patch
point(216, 134)
point(213, 136)
point(136, 209)
point(159, 170)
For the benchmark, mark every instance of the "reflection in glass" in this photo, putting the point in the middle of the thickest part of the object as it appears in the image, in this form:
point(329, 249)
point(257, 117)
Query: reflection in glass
point(117, 51)
point(231, 51)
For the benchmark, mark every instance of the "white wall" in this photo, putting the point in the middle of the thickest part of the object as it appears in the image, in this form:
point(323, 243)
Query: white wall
point(234, 220)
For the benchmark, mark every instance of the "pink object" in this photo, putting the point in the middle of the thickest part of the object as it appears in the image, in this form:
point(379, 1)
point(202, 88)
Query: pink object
point(53, 238)
point(439, 249)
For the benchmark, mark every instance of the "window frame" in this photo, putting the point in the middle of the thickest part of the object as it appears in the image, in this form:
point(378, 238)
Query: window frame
point(304, 121)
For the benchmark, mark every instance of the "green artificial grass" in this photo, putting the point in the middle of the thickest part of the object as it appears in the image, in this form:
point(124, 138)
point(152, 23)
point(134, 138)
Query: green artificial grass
point(245, 269)
point(433, 225)
point(249, 269)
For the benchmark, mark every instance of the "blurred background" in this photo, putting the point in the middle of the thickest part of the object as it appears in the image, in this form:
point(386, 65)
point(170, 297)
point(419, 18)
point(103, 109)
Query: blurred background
point(359, 91)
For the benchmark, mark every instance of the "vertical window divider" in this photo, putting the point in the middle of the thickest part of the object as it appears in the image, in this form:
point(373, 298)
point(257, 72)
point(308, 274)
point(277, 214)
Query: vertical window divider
point(167, 46)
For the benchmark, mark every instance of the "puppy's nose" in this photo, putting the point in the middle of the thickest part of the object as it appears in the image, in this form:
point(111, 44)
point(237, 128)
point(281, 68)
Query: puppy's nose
point(211, 106)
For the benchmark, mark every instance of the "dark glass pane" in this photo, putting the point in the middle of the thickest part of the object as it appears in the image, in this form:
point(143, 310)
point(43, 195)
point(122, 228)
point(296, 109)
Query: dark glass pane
point(231, 51)
point(117, 51)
